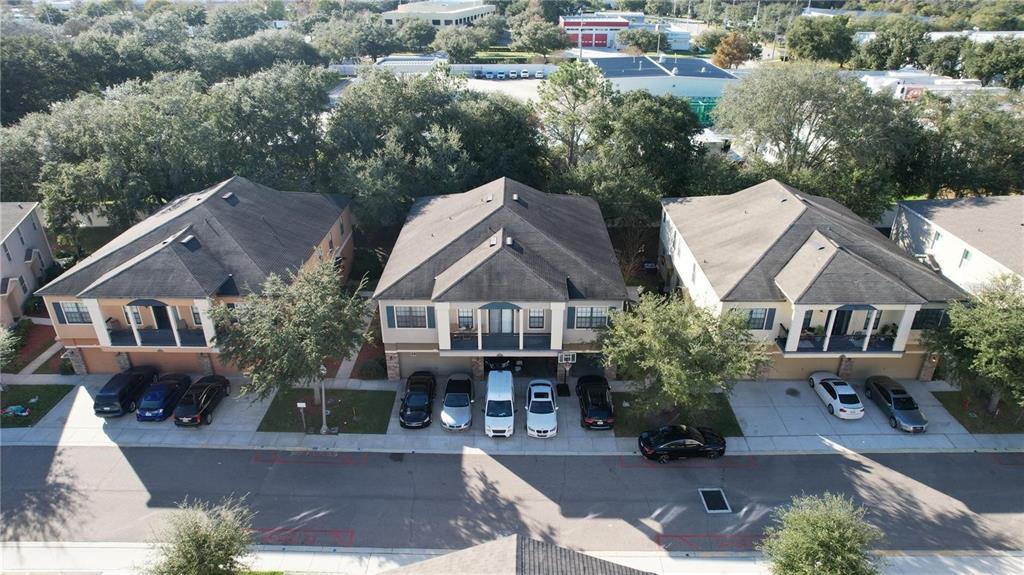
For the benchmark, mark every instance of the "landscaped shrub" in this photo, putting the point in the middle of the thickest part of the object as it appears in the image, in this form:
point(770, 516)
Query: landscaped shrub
point(375, 368)
point(11, 341)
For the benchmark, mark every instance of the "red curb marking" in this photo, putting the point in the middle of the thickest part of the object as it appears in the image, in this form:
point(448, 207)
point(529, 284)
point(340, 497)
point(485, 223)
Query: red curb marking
point(711, 541)
point(307, 537)
point(1008, 458)
point(742, 462)
point(321, 457)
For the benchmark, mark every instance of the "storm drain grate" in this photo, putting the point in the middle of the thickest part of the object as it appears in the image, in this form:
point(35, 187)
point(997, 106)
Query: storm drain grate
point(714, 501)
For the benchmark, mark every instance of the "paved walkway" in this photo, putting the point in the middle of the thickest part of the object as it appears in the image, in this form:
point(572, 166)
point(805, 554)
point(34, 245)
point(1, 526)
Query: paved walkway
point(776, 417)
point(126, 558)
point(42, 358)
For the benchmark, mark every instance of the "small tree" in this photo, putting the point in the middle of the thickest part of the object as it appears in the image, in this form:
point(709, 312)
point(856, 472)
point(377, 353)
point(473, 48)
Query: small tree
point(539, 37)
point(570, 101)
point(732, 51)
point(820, 535)
point(681, 351)
point(821, 39)
point(642, 40)
point(204, 539)
point(983, 344)
point(709, 39)
point(460, 43)
point(281, 336)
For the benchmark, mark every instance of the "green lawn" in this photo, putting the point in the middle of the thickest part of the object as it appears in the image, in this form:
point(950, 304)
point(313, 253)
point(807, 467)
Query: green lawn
point(629, 422)
point(351, 411)
point(48, 396)
point(974, 416)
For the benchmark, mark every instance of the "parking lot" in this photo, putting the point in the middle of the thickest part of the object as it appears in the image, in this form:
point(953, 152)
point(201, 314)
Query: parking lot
point(571, 436)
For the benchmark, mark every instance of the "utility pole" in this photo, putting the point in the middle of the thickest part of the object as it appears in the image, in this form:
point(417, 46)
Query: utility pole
point(579, 35)
point(323, 400)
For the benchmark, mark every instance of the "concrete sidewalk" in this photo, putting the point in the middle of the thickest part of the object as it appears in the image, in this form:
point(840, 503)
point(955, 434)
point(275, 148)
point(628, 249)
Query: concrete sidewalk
point(775, 420)
point(128, 558)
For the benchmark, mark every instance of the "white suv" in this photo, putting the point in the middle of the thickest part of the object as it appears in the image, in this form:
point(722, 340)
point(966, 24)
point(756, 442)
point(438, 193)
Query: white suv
point(541, 411)
point(499, 411)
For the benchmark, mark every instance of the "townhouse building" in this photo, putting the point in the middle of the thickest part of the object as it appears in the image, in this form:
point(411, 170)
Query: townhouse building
point(500, 271)
point(25, 258)
point(811, 277)
point(144, 298)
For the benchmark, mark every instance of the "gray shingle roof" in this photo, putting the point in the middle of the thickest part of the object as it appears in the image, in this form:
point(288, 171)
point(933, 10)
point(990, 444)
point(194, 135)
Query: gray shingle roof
point(11, 214)
point(757, 243)
point(444, 251)
point(223, 240)
point(993, 225)
point(515, 555)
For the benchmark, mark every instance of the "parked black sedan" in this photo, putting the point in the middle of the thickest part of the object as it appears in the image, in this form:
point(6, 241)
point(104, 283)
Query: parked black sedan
point(596, 409)
point(197, 405)
point(121, 394)
point(162, 397)
point(418, 401)
point(680, 441)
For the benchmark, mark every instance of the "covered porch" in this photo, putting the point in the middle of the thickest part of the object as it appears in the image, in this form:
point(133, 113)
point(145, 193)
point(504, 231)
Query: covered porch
point(155, 323)
point(848, 328)
point(498, 326)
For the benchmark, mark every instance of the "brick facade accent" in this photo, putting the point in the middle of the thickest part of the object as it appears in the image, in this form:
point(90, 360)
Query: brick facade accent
point(927, 373)
point(394, 365)
point(205, 364)
point(123, 363)
point(77, 361)
point(845, 367)
point(478, 368)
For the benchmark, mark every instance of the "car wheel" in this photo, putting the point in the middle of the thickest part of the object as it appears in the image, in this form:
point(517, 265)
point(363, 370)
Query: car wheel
point(811, 383)
point(831, 410)
point(714, 454)
point(132, 407)
point(892, 422)
point(662, 459)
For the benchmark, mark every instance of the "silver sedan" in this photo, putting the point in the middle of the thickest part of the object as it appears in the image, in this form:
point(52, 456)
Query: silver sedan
point(903, 412)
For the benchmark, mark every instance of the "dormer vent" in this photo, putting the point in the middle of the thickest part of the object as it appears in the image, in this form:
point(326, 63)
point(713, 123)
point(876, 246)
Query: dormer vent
point(227, 196)
point(490, 198)
point(515, 197)
point(187, 239)
point(494, 241)
point(508, 241)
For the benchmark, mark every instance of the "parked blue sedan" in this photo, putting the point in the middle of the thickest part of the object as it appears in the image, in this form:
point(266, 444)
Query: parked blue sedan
point(160, 398)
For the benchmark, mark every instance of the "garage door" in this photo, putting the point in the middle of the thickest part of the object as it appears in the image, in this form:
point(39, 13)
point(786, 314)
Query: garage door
point(601, 40)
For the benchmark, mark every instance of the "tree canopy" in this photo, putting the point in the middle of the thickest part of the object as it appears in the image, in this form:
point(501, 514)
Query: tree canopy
point(681, 351)
point(733, 50)
point(204, 539)
point(820, 535)
point(820, 39)
point(281, 336)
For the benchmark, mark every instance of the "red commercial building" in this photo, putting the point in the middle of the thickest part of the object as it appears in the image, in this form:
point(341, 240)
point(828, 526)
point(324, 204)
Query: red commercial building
point(597, 31)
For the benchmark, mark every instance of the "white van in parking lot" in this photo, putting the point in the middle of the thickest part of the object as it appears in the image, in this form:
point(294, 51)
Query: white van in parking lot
point(499, 412)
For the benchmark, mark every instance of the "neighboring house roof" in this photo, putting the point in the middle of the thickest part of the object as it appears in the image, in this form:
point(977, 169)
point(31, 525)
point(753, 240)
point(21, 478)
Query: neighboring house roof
point(224, 240)
point(546, 247)
point(515, 555)
point(771, 242)
point(11, 215)
point(993, 225)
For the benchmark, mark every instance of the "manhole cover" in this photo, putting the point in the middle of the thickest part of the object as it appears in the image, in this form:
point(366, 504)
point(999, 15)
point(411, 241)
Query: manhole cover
point(792, 392)
point(714, 501)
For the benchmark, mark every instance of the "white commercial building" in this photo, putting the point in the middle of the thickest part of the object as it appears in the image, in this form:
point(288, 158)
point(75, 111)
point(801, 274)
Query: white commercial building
point(968, 240)
point(910, 83)
point(453, 13)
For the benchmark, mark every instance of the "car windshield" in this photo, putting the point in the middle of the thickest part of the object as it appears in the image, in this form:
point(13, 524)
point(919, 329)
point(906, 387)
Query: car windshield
point(416, 399)
point(904, 403)
point(542, 406)
point(849, 398)
point(499, 408)
point(151, 402)
point(456, 400)
point(189, 399)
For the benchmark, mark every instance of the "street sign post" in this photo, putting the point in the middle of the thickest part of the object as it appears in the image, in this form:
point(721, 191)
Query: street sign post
point(302, 413)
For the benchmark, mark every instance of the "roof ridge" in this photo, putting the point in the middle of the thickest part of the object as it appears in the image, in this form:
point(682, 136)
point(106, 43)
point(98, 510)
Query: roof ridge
point(134, 261)
point(883, 272)
point(487, 258)
point(821, 268)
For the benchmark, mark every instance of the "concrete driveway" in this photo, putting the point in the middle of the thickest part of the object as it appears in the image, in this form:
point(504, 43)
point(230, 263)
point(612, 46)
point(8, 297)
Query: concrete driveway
point(780, 409)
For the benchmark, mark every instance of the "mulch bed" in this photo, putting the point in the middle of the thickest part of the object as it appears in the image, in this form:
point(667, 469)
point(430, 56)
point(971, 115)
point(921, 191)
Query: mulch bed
point(36, 341)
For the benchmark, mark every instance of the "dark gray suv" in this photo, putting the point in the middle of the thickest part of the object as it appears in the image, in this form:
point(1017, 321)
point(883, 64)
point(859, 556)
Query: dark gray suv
point(903, 412)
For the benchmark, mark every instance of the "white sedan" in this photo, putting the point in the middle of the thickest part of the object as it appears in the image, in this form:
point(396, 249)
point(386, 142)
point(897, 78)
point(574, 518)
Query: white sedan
point(840, 398)
point(541, 411)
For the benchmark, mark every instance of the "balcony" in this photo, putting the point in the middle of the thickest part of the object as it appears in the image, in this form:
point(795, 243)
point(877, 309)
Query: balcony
point(501, 342)
point(840, 344)
point(157, 338)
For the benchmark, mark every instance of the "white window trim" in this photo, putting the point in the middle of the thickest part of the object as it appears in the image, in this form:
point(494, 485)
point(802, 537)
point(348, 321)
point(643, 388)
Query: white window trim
point(590, 316)
point(534, 315)
point(411, 307)
point(458, 318)
point(84, 310)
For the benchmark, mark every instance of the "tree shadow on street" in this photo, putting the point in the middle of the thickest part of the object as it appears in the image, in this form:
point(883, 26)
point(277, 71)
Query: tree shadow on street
point(32, 513)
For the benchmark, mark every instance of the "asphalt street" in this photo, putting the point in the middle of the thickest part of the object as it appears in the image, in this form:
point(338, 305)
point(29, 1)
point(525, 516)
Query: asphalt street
point(921, 501)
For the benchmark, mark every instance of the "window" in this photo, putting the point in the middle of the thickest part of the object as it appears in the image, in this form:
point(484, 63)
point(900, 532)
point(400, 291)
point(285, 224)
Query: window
point(75, 312)
point(465, 319)
point(7, 252)
point(32, 220)
point(929, 319)
point(756, 318)
point(197, 318)
point(867, 319)
point(330, 242)
point(136, 316)
point(447, 22)
point(536, 319)
point(591, 317)
point(21, 282)
point(20, 238)
point(435, 22)
point(410, 316)
point(965, 257)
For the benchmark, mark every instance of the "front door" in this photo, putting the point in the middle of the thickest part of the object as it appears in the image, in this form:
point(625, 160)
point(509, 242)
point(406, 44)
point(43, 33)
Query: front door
point(163, 320)
point(500, 321)
point(842, 321)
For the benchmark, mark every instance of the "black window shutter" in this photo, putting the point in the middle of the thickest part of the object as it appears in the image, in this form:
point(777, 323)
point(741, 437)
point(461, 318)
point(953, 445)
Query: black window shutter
point(570, 322)
point(430, 317)
point(390, 310)
point(769, 321)
point(57, 311)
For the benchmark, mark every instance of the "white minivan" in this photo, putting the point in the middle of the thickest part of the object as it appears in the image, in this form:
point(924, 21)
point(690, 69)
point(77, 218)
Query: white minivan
point(499, 418)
